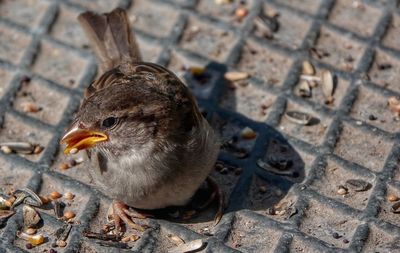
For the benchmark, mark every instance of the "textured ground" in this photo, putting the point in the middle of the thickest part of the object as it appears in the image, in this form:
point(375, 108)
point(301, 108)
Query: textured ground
point(293, 205)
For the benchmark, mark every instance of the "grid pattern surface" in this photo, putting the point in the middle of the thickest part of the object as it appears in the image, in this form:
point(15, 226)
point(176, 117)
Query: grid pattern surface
point(41, 40)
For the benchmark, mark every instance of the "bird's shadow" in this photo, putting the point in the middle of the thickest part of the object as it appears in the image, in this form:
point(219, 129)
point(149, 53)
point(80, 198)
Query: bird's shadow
point(255, 171)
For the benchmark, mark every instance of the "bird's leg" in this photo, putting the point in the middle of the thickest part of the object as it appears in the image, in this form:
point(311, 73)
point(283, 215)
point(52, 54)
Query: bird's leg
point(120, 211)
point(216, 193)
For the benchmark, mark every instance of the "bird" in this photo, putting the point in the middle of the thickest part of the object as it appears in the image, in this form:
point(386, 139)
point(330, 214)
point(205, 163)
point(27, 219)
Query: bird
point(147, 143)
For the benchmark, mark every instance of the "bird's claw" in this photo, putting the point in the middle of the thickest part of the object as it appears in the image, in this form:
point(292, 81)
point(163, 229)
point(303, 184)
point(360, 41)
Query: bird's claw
point(121, 212)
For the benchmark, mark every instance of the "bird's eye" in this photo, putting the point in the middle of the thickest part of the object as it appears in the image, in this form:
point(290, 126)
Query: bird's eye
point(109, 122)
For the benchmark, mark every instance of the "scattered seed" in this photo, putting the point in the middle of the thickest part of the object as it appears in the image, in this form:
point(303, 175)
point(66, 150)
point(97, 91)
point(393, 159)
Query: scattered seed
point(372, 117)
point(224, 171)
point(25, 79)
point(28, 246)
point(175, 239)
point(31, 216)
point(55, 195)
point(69, 215)
point(271, 211)
point(392, 198)
point(5, 214)
point(241, 12)
point(72, 162)
point(327, 82)
point(53, 251)
point(248, 133)
point(126, 239)
point(29, 107)
point(234, 76)
point(6, 150)
point(61, 243)
point(262, 189)
point(358, 185)
point(69, 195)
point(395, 207)
point(197, 71)
point(34, 239)
point(345, 241)
point(73, 151)
point(394, 105)
point(44, 199)
point(304, 89)
point(342, 190)
point(194, 245)
point(384, 66)
point(221, 2)
point(30, 231)
point(38, 149)
point(300, 118)
point(308, 68)
point(336, 235)
point(64, 166)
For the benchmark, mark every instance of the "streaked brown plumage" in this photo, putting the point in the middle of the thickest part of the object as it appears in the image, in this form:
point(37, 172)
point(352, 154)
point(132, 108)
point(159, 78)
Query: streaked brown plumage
point(148, 144)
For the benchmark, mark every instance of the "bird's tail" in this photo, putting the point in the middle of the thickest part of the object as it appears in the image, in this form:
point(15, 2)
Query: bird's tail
point(110, 37)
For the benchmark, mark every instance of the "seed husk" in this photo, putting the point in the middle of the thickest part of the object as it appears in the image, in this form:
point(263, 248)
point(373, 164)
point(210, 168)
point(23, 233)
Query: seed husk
point(395, 207)
point(6, 150)
point(248, 133)
point(394, 105)
point(342, 190)
point(5, 214)
point(55, 195)
point(392, 198)
point(197, 71)
point(358, 185)
point(262, 189)
point(29, 107)
point(31, 231)
point(31, 216)
point(73, 151)
point(189, 246)
point(308, 68)
point(69, 195)
point(57, 208)
point(297, 117)
point(19, 147)
point(221, 2)
point(241, 12)
point(27, 196)
point(303, 89)
point(64, 166)
point(175, 239)
point(234, 76)
point(34, 239)
point(38, 149)
point(126, 239)
point(61, 243)
point(327, 83)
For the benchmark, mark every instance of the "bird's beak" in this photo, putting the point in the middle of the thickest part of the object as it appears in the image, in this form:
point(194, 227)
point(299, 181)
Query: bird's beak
point(78, 138)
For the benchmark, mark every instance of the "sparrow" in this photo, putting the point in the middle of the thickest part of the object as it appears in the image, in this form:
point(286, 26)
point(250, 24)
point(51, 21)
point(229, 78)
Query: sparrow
point(148, 145)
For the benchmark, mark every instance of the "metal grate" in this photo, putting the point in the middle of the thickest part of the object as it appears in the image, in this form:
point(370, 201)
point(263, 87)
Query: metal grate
point(41, 40)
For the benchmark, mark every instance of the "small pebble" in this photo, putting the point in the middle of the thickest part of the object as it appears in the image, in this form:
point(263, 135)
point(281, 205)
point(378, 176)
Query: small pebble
point(29, 246)
point(393, 198)
point(55, 195)
point(336, 235)
point(45, 199)
point(25, 79)
point(372, 117)
point(69, 215)
point(6, 150)
point(69, 195)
